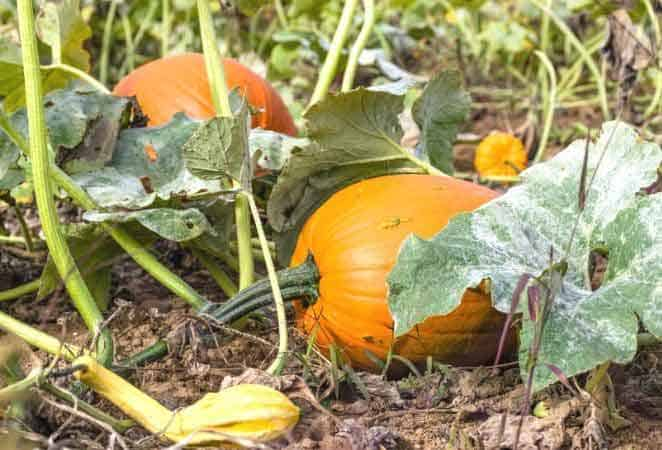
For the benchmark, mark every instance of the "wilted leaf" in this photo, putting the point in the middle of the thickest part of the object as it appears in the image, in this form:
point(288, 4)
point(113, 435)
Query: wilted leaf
point(441, 109)
point(513, 235)
point(355, 136)
point(82, 126)
point(173, 224)
point(122, 183)
point(627, 48)
point(60, 26)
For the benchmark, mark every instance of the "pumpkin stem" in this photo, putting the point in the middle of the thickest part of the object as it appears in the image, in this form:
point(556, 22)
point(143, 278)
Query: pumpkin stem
point(298, 282)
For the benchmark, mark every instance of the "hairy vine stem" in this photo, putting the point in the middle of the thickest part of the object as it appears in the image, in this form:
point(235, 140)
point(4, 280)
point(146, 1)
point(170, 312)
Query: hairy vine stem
point(39, 157)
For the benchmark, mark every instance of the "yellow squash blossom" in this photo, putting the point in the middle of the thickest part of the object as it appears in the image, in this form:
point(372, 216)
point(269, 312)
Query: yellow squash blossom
point(500, 154)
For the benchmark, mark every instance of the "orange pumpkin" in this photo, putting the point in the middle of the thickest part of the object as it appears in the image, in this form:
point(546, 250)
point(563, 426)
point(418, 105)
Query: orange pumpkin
point(354, 239)
point(500, 154)
point(179, 83)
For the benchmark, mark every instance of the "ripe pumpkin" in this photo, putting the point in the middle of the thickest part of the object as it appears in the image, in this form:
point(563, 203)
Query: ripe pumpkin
point(354, 239)
point(179, 83)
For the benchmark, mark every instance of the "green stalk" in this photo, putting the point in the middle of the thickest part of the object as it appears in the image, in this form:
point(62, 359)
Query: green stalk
point(38, 338)
point(221, 101)
point(359, 45)
point(57, 245)
point(128, 38)
point(131, 246)
point(216, 272)
point(20, 291)
point(583, 52)
point(245, 249)
point(277, 366)
point(657, 97)
point(9, 393)
point(105, 44)
point(25, 230)
point(544, 30)
point(330, 66)
point(13, 240)
point(99, 86)
point(215, 72)
point(549, 105)
point(295, 283)
point(121, 426)
point(280, 11)
point(165, 26)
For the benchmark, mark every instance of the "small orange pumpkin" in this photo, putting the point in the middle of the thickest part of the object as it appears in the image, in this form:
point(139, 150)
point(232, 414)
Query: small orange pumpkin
point(500, 154)
point(179, 83)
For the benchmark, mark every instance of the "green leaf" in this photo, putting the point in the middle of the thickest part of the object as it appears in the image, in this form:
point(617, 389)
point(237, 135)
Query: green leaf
point(282, 59)
point(8, 156)
point(219, 148)
point(441, 109)
point(172, 224)
point(61, 27)
point(82, 124)
point(513, 235)
point(147, 165)
point(355, 136)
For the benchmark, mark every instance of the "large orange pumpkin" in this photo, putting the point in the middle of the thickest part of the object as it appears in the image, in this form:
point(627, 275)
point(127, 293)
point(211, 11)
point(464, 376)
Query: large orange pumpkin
point(179, 83)
point(354, 239)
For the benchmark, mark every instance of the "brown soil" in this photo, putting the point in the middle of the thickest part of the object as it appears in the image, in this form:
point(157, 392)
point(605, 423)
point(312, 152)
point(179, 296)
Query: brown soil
point(449, 408)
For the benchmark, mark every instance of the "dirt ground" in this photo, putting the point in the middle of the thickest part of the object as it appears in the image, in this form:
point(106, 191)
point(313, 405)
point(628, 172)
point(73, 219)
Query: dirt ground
point(448, 408)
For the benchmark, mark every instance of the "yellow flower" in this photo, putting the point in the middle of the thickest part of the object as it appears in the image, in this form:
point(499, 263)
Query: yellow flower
point(240, 415)
point(500, 154)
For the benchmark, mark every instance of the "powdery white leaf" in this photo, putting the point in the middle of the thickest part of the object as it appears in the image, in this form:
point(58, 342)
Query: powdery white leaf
point(513, 235)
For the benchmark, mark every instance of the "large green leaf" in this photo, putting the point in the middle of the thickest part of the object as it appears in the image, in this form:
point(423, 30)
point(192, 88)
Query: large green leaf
point(439, 112)
point(355, 135)
point(82, 124)
point(147, 165)
point(514, 234)
point(219, 148)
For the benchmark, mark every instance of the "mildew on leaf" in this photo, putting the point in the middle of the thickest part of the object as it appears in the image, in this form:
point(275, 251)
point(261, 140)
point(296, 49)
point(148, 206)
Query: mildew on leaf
point(513, 235)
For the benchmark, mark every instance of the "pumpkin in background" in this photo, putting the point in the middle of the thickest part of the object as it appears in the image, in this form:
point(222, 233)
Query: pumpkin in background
point(179, 83)
point(354, 239)
point(500, 154)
